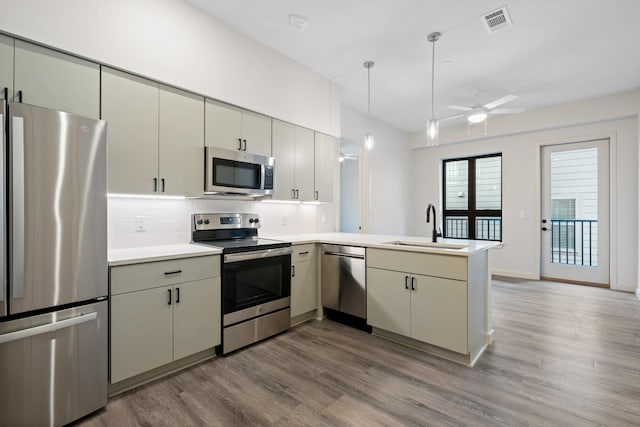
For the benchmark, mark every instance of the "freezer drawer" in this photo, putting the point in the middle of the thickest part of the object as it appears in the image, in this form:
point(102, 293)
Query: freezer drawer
point(53, 367)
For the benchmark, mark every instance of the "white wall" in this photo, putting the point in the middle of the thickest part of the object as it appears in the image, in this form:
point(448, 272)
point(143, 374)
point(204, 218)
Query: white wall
point(519, 138)
point(168, 222)
point(385, 173)
point(173, 42)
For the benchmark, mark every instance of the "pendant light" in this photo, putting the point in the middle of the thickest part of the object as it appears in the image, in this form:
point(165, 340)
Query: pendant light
point(368, 136)
point(432, 123)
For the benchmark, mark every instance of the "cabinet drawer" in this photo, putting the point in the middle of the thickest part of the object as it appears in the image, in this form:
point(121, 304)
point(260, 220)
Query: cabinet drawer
point(305, 252)
point(135, 277)
point(448, 266)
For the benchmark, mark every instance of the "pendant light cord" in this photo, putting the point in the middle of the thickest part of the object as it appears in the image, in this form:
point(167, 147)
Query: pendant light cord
point(433, 74)
point(369, 93)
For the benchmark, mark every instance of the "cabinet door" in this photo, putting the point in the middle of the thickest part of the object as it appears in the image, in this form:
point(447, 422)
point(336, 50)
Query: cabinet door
point(223, 125)
point(141, 332)
point(304, 153)
point(325, 164)
point(181, 133)
point(130, 105)
point(388, 301)
point(6, 65)
point(439, 312)
point(196, 317)
point(256, 131)
point(303, 288)
point(54, 80)
point(284, 154)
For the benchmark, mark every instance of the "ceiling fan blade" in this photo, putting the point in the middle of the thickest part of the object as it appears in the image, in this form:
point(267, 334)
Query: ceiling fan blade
point(458, 107)
point(507, 110)
point(446, 119)
point(500, 101)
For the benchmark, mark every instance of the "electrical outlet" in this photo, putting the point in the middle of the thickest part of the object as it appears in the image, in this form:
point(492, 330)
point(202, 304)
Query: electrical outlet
point(140, 225)
point(284, 220)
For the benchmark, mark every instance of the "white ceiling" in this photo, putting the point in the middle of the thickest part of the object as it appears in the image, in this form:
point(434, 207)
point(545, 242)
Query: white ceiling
point(557, 51)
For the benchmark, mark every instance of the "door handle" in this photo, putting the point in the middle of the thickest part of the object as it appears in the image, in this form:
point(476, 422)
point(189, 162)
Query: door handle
point(544, 221)
point(406, 282)
point(16, 142)
point(544, 229)
point(155, 185)
point(293, 271)
point(177, 295)
point(297, 194)
point(293, 193)
point(162, 181)
point(413, 283)
point(317, 195)
point(244, 148)
point(170, 298)
point(240, 144)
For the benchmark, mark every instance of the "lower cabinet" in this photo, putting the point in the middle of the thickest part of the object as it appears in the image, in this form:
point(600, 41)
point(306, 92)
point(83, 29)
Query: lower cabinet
point(169, 320)
point(425, 308)
point(304, 292)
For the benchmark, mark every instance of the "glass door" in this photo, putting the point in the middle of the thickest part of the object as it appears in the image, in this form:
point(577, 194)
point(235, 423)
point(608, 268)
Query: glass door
point(575, 212)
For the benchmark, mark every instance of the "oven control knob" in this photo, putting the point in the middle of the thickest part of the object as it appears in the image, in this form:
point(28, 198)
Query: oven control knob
point(199, 222)
point(206, 221)
point(256, 220)
point(251, 220)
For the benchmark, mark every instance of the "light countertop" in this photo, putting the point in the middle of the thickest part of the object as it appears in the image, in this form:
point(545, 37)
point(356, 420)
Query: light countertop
point(382, 241)
point(158, 253)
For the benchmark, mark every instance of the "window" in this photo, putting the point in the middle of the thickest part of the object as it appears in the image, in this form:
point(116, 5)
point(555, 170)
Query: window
point(472, 189)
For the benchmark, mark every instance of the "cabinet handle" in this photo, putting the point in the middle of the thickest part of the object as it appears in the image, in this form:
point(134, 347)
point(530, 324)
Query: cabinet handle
point(177, 295)
point(293, 193)
point(245, 145)
point(413, 283)
point(169, 296)
point(162, 182)
point(297, 194)
point(406, 282)
point(169, 273)
point(316, 195)
point(5, 94)
point(240, 144)
point(155, 185)
point(304, 253)
point(293, 271)
point(19, 96)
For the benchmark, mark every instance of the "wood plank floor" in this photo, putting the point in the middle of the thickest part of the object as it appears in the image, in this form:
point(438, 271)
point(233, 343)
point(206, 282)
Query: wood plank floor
point(563, 355)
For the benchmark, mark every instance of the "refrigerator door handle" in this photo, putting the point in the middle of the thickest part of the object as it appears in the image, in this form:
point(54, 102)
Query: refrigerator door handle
point(3, 271)
point(17, 225)
point(49, 327)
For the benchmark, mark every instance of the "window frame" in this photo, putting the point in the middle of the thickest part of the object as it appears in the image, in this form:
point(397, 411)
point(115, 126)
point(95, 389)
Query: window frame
point(472, 214)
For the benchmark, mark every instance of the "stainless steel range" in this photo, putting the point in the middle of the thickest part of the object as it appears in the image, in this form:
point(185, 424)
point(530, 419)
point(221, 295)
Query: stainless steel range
point(256, 279)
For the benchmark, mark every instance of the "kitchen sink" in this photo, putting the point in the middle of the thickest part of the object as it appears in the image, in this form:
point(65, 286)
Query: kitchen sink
point(427, 245)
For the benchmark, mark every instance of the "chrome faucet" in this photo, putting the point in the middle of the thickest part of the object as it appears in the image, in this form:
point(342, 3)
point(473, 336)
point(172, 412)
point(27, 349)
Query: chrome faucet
point(435, 234)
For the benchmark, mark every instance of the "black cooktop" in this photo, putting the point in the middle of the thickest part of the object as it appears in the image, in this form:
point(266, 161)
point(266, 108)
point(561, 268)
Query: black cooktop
point(244, 245)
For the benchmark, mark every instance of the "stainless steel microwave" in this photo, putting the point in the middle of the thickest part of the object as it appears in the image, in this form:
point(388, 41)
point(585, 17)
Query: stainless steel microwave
point(237, 172)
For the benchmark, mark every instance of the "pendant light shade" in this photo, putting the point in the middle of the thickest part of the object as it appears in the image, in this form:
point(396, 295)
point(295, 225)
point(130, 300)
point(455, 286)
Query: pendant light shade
point(369, 140)
point(432, 123)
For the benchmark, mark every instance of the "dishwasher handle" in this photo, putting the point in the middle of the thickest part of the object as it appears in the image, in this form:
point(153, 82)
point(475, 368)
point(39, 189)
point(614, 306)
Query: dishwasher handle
point(343, 255)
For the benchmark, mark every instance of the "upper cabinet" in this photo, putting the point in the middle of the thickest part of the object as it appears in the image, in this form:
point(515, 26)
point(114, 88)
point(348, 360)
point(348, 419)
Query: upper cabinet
point(156, 136)
point(325, 163)
point(233, 128)
point(54, 80)
point(293, 150)
point(6, 66)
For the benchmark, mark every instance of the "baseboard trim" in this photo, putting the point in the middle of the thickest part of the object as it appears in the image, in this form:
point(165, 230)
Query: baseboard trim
point(515, 274)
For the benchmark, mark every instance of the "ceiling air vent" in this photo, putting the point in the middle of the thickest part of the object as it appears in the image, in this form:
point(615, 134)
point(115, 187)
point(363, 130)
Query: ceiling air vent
point(497, 20)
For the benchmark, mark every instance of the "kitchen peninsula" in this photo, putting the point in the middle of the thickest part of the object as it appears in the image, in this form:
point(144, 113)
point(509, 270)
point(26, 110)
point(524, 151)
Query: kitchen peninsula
point(432, 297)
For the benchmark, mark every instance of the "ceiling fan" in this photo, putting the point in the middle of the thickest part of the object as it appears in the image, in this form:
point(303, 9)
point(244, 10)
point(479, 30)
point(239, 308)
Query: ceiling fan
point(479, 113)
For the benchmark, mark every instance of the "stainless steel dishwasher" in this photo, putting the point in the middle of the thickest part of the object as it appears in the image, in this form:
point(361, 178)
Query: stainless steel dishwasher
point(343, 281)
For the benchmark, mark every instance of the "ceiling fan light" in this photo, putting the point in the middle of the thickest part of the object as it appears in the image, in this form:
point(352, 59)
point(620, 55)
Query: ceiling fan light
point(477, 116)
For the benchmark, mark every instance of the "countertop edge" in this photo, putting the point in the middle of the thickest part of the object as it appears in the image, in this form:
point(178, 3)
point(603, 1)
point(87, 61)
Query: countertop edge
point(158, 253)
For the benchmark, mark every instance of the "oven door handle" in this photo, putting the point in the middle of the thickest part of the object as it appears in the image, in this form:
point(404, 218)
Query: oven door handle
point(267, 253)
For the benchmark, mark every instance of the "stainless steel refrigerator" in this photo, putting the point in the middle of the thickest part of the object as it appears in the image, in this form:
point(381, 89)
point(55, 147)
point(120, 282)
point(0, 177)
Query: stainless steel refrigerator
point(53, 299)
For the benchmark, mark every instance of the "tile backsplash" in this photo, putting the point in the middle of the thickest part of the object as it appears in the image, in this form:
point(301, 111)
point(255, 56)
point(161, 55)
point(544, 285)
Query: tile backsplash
point(136, 222)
